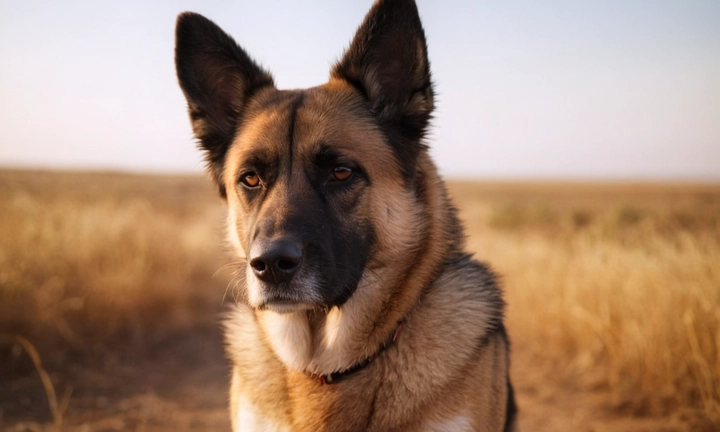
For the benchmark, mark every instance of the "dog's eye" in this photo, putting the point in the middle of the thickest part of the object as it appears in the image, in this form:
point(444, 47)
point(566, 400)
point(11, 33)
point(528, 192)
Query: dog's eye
point(341, 173)
point(250, 179)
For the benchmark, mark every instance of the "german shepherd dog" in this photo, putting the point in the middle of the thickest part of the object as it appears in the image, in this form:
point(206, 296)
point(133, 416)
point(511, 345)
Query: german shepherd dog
point(359, 309)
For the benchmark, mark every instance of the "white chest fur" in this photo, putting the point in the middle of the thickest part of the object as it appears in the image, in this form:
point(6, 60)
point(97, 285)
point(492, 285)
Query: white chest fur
point(248, 420)
point(460, 423)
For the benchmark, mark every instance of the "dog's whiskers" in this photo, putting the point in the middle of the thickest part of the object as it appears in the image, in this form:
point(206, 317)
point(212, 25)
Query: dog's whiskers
point(238, 277)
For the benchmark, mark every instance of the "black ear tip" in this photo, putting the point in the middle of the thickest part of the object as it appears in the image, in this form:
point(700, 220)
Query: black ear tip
point(191, 22)
point(395, 2)
point(184, 23)
point(396, 5)
point(186, 18)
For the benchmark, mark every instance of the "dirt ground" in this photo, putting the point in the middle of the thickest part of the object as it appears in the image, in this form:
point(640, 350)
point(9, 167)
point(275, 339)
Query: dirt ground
point(182, 383)
point(178, 385)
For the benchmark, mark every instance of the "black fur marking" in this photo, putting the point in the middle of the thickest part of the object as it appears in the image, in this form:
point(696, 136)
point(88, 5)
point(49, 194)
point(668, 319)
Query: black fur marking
point(512, 409)
point(296, 104)
point(321, 216)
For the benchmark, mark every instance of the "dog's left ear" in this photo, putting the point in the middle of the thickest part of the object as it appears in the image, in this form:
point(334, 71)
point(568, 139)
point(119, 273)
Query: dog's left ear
point(387, 62)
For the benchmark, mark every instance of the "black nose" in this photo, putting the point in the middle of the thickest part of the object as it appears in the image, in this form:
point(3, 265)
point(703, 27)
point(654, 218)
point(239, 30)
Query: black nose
point(276, 260)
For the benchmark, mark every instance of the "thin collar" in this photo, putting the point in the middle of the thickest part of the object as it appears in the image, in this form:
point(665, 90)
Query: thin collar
point(335, 377)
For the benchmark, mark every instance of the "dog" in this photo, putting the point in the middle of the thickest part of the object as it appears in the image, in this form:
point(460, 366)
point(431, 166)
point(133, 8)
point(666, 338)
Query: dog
point(358, 308)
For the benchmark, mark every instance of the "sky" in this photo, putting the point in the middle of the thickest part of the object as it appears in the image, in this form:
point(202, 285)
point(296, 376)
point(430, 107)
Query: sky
point(592, 89)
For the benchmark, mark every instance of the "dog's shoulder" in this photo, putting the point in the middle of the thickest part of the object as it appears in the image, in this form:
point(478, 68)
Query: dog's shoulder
point(468, 291)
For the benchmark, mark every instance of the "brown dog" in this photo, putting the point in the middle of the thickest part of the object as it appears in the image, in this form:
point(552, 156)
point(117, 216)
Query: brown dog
point(360, 310)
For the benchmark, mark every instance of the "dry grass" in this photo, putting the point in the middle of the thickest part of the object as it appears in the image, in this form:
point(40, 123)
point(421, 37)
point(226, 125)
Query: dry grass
point(611, 288)
point(90, 259)
point(614, 286)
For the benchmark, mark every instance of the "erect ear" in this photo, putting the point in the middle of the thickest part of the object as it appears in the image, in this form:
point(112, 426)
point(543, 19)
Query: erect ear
point(387, 62)
point(218, 79)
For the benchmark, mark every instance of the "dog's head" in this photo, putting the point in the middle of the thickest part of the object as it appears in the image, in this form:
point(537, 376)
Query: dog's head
point(313, 177)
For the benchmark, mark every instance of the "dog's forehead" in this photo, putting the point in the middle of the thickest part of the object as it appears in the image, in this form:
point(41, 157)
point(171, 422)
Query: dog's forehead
point(337, 116)
point(295, 124)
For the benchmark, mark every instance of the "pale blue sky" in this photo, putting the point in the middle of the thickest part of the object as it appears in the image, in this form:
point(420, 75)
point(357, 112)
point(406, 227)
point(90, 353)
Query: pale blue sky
point(559, 89)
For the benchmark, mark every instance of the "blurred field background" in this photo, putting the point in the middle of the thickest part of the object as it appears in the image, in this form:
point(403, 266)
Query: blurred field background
point(111, 286)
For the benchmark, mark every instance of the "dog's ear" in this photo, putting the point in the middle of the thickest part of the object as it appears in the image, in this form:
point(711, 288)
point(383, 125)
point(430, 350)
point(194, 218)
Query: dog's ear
point(387, 62)
point(218, 79)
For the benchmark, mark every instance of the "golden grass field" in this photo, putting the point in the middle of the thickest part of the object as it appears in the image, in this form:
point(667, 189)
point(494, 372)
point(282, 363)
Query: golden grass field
point(111, 286)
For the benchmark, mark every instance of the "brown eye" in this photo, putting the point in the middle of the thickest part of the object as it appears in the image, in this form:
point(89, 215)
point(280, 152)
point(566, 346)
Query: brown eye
point(341, 173)
point(250, 179)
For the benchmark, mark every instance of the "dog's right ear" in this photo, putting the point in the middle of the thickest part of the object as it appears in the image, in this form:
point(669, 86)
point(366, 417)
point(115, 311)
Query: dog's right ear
point(387, 62)
point(218, 79)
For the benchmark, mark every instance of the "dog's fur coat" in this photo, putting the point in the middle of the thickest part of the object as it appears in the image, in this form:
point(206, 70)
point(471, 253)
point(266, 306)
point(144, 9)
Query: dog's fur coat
point(360, 310)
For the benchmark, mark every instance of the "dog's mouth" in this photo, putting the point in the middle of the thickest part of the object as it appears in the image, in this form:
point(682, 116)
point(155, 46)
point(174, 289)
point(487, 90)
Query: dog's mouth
point(284, 306)
point(285, 300)
point(304, 292)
